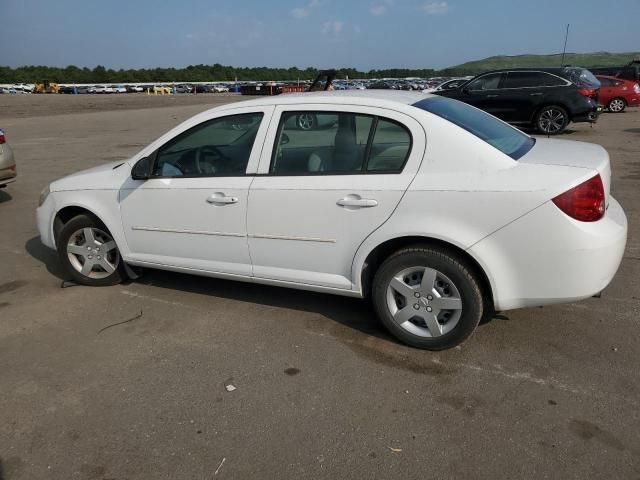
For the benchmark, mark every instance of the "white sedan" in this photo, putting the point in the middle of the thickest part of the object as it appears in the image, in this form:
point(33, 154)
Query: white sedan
point(440, 212)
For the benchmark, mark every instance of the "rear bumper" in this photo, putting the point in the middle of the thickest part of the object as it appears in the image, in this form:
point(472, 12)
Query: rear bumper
point(546, 257)
point(7, 176)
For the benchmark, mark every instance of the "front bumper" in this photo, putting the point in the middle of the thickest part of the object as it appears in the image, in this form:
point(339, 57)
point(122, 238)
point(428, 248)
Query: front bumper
point(45, 214)
point(546, 257)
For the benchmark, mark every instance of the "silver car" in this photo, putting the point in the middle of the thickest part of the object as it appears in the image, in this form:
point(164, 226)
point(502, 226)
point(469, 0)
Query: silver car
point(7, 163)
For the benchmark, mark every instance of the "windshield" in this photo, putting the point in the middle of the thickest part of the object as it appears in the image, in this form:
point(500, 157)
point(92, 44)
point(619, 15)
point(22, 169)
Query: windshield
point(505, 138)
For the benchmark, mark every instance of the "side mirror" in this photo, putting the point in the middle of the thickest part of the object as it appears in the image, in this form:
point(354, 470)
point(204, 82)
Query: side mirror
point(142, 169)
point(284, 139)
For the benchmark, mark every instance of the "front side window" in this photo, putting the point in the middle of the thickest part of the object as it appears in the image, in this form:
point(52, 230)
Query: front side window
point(505, 138)
point(490, 81)
point(334, 143)
point(219, 147)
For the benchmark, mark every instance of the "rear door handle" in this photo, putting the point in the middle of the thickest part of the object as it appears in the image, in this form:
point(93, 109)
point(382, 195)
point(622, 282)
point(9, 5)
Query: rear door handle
point(357, 202)
point(220, 198)
point(492, 96)
point(535, 94)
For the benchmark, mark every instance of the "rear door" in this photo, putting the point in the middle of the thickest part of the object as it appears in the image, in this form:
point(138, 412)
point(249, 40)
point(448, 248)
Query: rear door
point(322, 191)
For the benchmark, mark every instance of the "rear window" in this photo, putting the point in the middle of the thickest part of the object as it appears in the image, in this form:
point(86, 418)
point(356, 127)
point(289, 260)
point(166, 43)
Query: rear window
point(505, 138)
point(582, 77)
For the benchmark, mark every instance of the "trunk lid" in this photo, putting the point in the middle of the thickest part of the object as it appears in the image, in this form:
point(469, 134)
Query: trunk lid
point(569, 153)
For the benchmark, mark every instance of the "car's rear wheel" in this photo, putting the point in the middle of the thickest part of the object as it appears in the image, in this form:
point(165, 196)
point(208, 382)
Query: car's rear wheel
point(551, 120)
point(89, 253)
point(616, 105)
point(427, 298)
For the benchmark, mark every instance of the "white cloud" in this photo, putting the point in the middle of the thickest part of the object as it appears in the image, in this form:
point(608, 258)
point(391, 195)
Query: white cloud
point(303, 12)
point(378, 10)
point(333, 28)
point(300, 12)
point(435, 8)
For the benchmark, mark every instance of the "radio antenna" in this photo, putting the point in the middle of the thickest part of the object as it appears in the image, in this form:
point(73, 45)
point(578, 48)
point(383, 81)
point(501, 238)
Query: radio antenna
point(566, 36)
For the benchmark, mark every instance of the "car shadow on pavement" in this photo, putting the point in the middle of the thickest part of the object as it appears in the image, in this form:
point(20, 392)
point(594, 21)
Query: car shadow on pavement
point(37, 250)
point(4, 196)
point(354, 313)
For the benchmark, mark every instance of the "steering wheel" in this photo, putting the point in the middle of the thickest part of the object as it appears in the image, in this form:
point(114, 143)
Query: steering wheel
point(203, 166)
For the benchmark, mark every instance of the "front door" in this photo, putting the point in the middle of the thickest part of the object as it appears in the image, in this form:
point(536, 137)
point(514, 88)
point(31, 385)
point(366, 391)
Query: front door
point(191, 213)
point(322, 190)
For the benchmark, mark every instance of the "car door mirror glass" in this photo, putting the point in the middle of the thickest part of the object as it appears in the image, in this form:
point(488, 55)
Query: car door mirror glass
point(141, 169)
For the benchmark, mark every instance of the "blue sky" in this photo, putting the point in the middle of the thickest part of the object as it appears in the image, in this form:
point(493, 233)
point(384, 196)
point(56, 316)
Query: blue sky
point(321, 33)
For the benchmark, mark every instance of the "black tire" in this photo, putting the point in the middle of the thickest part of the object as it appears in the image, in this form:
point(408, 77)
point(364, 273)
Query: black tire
point(453, 267)
point(62, 241)
point(551, 120)
point(617, 105)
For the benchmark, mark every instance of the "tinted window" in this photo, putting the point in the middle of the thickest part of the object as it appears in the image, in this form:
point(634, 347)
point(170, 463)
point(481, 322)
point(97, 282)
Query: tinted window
point(338, 143)
point(486, 82)
point(605, 82)
point(390, 147)
point(582, 77)
point(523, 79)
point(505, 138)
point(219, 147)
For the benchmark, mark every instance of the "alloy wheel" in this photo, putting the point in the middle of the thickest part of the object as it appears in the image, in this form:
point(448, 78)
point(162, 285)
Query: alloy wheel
point(551, 120)
point(616, 105)
point(424, 301)
point(93, 253)
point(306, 121)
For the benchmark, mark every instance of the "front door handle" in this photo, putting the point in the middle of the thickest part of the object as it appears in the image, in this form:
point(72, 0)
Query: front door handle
point(357, 202)
point(492, 96)
point(535, 94)
point(220, 198)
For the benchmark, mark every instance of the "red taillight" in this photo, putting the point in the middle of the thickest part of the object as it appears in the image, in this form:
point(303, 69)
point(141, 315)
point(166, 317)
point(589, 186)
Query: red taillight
point(584, 202)
point(588, 92)
point(2, 138)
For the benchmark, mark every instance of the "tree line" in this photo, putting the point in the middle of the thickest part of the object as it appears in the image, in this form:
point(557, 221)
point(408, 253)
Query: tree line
point(197, 73)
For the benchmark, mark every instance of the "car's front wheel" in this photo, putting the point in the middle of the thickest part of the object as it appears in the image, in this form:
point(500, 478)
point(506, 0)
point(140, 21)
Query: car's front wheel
point(89, 253)
point(552, 120)
point(427, 298)
point(616, 105)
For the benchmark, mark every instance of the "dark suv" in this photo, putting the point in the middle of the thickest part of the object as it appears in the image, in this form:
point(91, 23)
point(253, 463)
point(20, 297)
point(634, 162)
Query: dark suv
point(545, 98)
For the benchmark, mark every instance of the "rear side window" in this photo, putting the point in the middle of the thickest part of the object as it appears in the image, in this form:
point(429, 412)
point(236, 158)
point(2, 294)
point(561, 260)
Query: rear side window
point(390, 147)
point(523, 80)
point(532, 79)
point(505, 138)
point(605, 82)
point(334, 143)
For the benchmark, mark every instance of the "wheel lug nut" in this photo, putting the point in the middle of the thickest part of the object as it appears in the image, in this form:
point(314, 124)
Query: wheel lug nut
point(429, 309)
point(416, 306)
point(417, 295)
point(90, 256)
point(429, 297)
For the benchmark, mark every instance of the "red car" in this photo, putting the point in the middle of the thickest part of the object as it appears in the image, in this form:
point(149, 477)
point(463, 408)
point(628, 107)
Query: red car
point(617, 93)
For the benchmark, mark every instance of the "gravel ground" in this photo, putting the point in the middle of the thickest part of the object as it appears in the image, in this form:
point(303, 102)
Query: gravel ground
point(322, 391)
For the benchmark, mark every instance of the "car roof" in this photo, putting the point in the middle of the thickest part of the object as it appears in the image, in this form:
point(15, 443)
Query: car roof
point(357, 97)
point(534, 69)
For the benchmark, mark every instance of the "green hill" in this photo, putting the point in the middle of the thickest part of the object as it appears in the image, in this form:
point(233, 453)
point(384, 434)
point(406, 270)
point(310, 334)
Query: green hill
point(598, 59)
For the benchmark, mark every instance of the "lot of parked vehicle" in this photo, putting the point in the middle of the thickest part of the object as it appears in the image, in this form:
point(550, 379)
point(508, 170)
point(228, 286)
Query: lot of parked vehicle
point(132, 381)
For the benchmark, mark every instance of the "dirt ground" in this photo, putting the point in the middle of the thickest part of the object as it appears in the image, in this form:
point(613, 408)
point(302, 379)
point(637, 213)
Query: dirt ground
point(322, 391)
